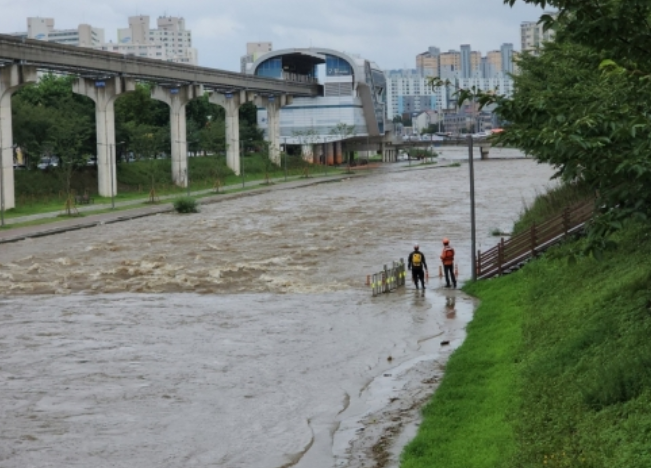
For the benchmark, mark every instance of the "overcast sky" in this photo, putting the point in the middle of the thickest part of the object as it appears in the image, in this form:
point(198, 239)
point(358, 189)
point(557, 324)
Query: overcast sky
point(389, 32)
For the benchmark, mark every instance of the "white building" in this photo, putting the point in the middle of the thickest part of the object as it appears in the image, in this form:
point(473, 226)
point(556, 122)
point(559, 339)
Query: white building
point(254, 50)
point(353, 95)
point(422, 121)
point(43, 29)
point(500, 84)
point(533, 35)
point(408, 91)
point(170, 42)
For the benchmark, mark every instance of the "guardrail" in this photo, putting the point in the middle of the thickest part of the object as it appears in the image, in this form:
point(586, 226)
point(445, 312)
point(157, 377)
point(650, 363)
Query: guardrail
point(511, 253)
point(388, 279)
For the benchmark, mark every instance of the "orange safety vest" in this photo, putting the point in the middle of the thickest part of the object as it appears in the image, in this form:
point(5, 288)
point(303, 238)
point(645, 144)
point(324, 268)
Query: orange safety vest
point(447, 255)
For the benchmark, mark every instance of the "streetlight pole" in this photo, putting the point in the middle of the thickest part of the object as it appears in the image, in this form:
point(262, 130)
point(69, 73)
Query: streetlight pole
point(285, 151)
point(473, 237)
point(242, 161)
point(2, 185)
point(111, 162)
point(327, 154)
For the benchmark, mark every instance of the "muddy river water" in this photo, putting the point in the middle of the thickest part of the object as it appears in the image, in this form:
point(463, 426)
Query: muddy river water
point(242, 336)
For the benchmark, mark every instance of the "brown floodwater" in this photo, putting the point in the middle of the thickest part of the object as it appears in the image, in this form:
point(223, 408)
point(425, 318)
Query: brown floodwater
point(242, 336)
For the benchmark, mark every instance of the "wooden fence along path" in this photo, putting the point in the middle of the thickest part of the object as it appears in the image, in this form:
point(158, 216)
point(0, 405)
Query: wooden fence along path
point(388, 279)
point(511, 254)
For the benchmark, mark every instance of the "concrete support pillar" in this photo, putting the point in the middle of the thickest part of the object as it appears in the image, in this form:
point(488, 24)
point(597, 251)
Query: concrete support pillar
point(273, 104)
point(383, 150)
point(11, 79)
point(231, 102)
point(307, 151)
point(177, 98)
point(104, 93)
point(330, 153)
point(339, 155)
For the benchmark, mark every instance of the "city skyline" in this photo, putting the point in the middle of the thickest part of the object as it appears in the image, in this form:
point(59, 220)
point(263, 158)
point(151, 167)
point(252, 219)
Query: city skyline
point(389, 34)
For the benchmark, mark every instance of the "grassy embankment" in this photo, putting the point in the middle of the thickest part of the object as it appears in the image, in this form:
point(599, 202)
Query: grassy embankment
point(556, 368)
point(42, 191)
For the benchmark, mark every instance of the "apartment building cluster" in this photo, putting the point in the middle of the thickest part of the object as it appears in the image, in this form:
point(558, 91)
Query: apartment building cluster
point(411, 96)
point(409, 91)
point(466, 63)
point(171, 41)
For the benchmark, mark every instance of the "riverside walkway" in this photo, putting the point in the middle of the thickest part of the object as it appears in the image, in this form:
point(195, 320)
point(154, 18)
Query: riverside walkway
point(124, 213)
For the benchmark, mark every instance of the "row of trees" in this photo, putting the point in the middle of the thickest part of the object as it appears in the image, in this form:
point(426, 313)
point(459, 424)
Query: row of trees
point(49, 119)
point(582, 105)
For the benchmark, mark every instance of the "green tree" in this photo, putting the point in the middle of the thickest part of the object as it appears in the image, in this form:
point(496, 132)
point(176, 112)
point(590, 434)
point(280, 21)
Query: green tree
point(582, 105)
point(213, 140)
point(66, 142)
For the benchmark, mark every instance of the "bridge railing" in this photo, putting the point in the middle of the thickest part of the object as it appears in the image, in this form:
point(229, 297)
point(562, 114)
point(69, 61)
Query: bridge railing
point(389, 279)
point(527, 244)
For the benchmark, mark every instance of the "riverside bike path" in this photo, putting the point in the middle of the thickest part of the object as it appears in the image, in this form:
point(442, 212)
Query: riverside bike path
point(83, 222)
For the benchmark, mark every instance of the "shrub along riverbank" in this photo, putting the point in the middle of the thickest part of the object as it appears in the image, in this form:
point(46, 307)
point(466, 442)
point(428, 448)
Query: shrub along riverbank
point(556, 368)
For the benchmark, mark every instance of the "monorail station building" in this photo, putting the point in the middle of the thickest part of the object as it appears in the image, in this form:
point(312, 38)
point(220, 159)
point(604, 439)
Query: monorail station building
point(348, 115)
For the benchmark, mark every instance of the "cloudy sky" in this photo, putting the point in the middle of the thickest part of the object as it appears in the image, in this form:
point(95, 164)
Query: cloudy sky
point(389, 32)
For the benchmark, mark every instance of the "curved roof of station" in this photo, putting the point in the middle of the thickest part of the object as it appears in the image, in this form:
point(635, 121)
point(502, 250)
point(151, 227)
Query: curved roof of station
point(315, 56)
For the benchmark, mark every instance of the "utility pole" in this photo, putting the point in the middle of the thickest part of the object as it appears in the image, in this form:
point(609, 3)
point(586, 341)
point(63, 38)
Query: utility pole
point(111, 162)
point(285, 151)
point(2, 187)
point(242, 161)
point(473, 237)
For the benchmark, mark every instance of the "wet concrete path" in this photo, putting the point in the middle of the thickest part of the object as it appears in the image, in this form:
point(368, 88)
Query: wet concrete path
point(242, 336)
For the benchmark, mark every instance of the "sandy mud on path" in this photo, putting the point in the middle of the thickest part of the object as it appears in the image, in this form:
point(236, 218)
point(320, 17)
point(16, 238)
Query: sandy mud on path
point(242, 336)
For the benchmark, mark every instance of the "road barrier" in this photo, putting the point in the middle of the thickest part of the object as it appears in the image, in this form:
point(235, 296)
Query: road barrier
point(388, 279)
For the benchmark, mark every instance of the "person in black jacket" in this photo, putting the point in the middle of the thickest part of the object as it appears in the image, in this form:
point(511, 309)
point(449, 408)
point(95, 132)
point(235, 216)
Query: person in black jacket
point(418, 266)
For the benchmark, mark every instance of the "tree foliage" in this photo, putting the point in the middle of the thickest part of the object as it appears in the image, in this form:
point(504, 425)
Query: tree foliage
point(49, 119)
point(582, 105)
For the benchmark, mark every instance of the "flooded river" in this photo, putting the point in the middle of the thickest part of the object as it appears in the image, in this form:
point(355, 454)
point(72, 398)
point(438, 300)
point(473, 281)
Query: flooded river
point(242, 336)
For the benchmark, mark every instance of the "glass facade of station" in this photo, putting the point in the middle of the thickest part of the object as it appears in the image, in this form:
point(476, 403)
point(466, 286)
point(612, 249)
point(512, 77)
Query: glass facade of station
point(272, 68)
point(336, 66)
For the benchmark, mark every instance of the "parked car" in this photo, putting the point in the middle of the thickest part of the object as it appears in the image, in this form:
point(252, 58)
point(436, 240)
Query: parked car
point(47, 162)
point(92, 161)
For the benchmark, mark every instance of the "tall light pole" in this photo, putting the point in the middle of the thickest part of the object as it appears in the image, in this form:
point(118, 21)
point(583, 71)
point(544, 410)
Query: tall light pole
point(2, 183)
point(473, 237)
point(242, 161)
point(111, 162)
point(285, 151)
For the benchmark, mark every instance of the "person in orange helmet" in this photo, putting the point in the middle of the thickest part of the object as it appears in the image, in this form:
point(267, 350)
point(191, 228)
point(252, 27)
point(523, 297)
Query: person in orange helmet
point(447, 257)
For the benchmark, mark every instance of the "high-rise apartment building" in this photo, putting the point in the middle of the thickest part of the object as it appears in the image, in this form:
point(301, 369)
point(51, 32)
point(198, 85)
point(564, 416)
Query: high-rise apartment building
point(43, 29)
point(171, 41)
point(492, 64)
point(508, 58)
point(466, 63)
point(253, 51)
point(428, 62)
point(533, 35)
point(409, 92)
point(450, 64)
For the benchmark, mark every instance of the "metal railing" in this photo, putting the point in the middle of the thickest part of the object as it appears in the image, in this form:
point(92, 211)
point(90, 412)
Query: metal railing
point(537, 239)
point(388, 279)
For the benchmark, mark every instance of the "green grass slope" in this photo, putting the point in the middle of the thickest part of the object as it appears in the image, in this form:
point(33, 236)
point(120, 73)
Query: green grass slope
point(555, 371)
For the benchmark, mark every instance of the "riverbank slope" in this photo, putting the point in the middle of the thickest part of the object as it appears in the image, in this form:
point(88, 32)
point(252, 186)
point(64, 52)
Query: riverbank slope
point(556, 368)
